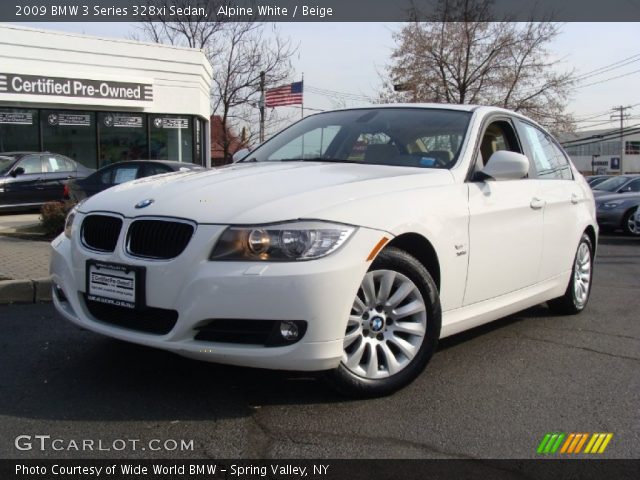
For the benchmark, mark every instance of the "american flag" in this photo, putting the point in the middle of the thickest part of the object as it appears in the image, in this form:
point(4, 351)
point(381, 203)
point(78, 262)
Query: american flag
point(286, 95)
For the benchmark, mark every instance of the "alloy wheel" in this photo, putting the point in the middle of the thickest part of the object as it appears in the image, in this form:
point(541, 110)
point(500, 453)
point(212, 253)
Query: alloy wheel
point(582, 275)
point(387, 325)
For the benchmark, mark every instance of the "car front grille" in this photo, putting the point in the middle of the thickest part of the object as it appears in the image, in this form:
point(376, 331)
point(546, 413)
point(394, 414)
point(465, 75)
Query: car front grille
point(158, 321)
point(158, 239)
point(101, 232)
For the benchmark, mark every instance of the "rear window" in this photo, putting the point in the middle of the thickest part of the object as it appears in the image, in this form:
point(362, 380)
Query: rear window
point(5, 164)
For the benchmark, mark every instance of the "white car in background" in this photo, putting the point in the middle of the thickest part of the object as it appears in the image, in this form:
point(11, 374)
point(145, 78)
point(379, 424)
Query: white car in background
point(350, 242)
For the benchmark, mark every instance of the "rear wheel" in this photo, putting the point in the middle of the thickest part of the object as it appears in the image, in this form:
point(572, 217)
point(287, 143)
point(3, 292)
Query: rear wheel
point(577, 294)
point(629, 224)
point(393, 327)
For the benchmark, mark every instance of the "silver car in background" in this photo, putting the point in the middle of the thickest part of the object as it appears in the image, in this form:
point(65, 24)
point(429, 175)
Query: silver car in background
point(618, 211)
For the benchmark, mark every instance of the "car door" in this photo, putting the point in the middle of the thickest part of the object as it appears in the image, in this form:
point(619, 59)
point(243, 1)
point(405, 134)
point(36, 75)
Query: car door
point(562, 197)
point(505, 223)
point(57, 170)
point(27, 187)
point(632, 186)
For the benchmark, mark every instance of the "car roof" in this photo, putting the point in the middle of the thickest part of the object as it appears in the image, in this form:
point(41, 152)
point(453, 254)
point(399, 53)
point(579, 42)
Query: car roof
point(22, 153)
point(163, 162)
point(483, 109)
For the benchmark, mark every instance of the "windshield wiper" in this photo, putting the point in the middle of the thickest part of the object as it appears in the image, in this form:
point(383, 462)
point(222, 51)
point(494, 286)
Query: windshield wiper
point(319, 159)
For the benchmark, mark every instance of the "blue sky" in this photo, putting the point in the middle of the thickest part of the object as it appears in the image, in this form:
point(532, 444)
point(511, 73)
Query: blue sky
point(348, 57)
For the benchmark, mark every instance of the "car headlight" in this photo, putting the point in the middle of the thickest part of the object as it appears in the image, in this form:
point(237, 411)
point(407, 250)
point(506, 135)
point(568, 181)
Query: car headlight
point(287, 242)
point(68, 223)
point(612, 204)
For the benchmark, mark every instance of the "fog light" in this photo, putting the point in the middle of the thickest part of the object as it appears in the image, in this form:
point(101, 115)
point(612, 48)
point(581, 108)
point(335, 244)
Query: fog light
point(59, 293)
point(289, 331)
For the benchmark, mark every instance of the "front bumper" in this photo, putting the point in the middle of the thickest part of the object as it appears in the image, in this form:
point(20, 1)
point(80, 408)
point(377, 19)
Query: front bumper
point(320, 292)
point(610, 218)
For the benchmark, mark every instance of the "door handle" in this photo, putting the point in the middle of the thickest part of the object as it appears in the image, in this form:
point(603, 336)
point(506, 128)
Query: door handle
point(574, 198)
point(537, 203)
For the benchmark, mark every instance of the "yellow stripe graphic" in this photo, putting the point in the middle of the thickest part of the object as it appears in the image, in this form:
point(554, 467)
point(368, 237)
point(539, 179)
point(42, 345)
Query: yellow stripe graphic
point(567, 442)
point(606, 442)
point(584, 439)
point(596, 445)
point(591, 442)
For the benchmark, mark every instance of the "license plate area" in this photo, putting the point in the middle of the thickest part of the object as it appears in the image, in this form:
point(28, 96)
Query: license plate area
point(115, 284)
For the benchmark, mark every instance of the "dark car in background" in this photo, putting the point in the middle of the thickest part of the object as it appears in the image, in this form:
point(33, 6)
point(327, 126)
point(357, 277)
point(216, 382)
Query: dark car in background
point(618, 184)
point(121, 172)
point(595, 180)
point(30, 179)
point(617, 211)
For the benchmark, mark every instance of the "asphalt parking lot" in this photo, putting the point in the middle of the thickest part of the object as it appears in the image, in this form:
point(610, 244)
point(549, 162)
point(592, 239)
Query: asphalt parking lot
point(489, 393)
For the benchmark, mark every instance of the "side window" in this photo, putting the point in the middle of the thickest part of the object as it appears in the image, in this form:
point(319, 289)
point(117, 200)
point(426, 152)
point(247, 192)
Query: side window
point(125, 174)
point(66, 163)
point(56, 164)
point(498, 136)
point(105, 177)
point(632, 186)
point(548, 159)
point(31, 164)
point(155, 169)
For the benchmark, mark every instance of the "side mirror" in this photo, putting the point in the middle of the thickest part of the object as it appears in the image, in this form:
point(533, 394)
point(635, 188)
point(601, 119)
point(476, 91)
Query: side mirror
point(505, 165)
point(240, 154)
point(17, 171)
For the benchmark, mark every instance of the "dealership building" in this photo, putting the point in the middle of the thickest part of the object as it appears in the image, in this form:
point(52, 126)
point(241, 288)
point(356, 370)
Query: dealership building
point(100, 100)
point(607, 151)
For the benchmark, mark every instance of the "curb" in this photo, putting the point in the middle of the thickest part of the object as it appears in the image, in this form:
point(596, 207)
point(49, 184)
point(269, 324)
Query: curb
point(25, 291)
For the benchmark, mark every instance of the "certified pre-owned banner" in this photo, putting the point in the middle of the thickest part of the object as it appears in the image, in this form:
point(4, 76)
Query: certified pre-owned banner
point(199, 469)
point(13, 83)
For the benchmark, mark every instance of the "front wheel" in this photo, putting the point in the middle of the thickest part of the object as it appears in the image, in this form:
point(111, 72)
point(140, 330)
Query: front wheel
point(393, 328)
point(629, 223)
point(577, 294)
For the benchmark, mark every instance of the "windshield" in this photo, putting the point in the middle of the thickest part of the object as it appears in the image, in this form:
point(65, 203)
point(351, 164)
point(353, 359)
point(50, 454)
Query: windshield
point(409, 137)
point(612, 184)
point(5, 164)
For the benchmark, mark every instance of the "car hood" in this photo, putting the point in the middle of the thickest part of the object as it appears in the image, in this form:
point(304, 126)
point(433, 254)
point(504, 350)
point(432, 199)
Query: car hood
point(631, 196)
point(262, 192)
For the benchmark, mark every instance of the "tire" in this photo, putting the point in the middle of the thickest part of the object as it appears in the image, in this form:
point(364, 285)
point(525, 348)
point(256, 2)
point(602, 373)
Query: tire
point(629, 225)
point(578, 291)
point(393, 329)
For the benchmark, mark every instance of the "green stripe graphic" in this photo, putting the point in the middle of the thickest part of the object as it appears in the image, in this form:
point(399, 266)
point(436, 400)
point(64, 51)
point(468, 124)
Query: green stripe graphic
point(547, 448)
point(558, 442)
point(543, 442)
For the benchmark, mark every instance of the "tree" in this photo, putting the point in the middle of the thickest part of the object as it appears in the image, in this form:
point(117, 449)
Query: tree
point(238, 52)
point(460, 56)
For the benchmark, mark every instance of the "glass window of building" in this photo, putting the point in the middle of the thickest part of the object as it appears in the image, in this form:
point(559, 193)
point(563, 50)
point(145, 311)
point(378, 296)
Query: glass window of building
point(70, 133)
point(18, 130)
point(123, 136)
point(171, 138)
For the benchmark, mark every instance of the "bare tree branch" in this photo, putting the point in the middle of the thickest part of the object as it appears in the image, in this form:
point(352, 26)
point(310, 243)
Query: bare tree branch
point(459, 56)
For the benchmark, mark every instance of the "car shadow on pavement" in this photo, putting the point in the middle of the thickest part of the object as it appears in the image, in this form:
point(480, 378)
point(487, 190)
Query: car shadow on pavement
point(72, 374)
point(618, 239)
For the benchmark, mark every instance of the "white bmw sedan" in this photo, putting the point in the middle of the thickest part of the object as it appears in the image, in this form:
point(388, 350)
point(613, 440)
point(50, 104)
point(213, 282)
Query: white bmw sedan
point(349, 243)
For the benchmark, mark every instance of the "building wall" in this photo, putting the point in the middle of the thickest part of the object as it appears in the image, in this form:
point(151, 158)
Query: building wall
point(177, 79)
point(605, 156)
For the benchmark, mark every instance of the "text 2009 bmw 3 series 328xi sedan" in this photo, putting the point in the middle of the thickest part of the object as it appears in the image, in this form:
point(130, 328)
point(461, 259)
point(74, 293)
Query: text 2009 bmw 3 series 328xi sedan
point(349, 243)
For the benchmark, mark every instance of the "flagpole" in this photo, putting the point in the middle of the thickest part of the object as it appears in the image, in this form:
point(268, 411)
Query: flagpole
point(262, 102)
point(302, 104)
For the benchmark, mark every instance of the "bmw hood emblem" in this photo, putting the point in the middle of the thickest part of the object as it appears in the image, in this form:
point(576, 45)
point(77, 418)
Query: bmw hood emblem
point(145, 203)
